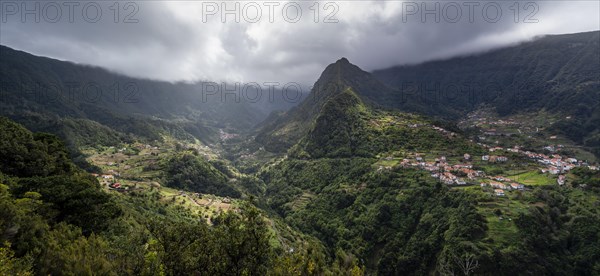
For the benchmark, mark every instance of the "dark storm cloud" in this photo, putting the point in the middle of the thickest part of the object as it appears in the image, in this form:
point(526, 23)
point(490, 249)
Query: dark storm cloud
point(182, 41)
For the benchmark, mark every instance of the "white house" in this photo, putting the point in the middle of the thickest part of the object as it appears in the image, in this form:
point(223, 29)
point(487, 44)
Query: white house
point(460, 182)
point(517, 186)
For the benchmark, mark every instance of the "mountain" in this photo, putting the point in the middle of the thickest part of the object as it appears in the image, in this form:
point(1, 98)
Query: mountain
point(80, 102)
point(343, 112)
point(555, 73)
point(347, 127)
point(558, 74)
point(281, 131)
point(332, 186)
point(383, 187)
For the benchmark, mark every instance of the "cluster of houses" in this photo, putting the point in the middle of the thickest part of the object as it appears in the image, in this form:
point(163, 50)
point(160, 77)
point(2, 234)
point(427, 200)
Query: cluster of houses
point(551, 162)
point(443, 171)
point(226, 136)
point(481, 120)
point(554, 164)
point(108, 180)
point(553, 148)
point(445, 132)
point(494, 158)
point(501, 122)
point(138, 146)
point(449, 178)
point(105, 179)
point(461, 174)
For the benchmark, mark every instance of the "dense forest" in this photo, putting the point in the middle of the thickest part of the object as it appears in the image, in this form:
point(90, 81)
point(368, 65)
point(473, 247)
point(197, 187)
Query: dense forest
point(55, 219)
point(403, 222)
point(193, 173)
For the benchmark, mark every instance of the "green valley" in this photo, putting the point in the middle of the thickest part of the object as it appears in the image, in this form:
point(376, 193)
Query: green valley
point(350, 181)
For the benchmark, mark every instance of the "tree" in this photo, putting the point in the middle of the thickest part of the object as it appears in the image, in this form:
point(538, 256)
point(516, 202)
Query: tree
point(173, 241)
point(465, 263)
point(9, 265)
point(67, 250)
point(244, 241)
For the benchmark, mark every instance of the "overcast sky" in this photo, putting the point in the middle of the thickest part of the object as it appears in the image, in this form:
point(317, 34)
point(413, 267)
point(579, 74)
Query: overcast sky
point(187, 40)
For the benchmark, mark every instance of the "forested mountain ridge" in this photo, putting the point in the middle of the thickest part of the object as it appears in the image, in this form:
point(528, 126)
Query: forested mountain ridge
point(79, 102)
point(555, 73)
point(347, 127)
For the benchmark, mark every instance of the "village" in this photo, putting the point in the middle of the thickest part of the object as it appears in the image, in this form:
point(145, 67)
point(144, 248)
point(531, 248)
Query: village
point(224, 136)
point(462, 172)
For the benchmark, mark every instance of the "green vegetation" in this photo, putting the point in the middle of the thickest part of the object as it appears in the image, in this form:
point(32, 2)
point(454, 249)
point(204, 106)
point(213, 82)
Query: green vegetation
point(384, 219)
point(346, 127)
point(60, 221)
point(193, 173)
point(401, 221)
point(336, 185)
point(587, 179)
point(556, 73)
point(323, 189)
point(47, 95)
point(534, 178)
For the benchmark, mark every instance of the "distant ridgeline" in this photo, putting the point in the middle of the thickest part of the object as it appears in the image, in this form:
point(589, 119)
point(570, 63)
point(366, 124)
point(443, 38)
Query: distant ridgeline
point(558, 73)
point(90, 105)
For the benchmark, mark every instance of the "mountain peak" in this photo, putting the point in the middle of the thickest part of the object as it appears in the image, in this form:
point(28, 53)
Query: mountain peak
point(340, 71)
point(343, 60)
point(342, 87)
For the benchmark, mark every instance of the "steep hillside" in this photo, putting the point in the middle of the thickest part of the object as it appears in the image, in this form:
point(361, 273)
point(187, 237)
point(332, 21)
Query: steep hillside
point(51, 95)
point(558, 74)
point(332, 187)
point(57, 219)
point(346, 127)
point(281, 131)
point(407, 196)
